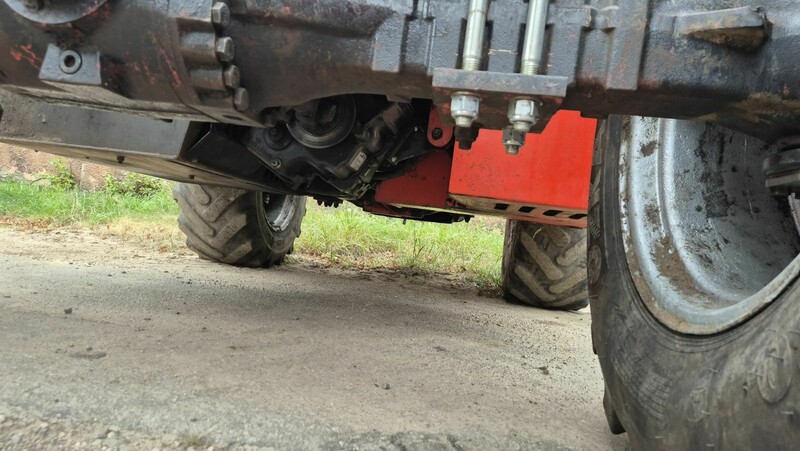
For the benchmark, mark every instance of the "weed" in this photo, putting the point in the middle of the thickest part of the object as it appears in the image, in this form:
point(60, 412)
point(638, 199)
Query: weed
point(62, 177)
point(133, 184)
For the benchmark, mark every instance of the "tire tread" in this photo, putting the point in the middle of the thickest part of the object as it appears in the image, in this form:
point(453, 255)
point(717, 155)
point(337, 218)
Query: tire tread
point(221, 224)
point(545, 266)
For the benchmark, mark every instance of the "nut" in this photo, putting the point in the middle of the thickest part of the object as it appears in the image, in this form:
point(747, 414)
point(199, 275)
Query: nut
point(523, 114)
point(225, 49)
point(232, 77)
point(241, 99)
point(464, 107)
point(71, 62)
point(221, 15)
point(513, 140)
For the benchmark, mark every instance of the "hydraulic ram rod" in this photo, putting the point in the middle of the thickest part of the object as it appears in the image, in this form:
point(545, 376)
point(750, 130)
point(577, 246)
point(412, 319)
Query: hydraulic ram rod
point(533, 46)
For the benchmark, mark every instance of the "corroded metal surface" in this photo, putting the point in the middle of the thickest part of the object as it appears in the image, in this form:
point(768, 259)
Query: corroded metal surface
point(680, 59)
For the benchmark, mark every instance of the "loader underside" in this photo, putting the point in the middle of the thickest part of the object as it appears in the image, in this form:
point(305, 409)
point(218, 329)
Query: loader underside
point(336, 98)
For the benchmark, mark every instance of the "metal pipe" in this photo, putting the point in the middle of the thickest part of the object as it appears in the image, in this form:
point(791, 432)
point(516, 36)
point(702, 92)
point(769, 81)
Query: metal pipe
point(533, 46)
point(473, 39)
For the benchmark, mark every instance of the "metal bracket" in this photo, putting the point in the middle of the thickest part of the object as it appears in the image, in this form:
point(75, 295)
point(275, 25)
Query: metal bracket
point(496, 91)
point(740, 28)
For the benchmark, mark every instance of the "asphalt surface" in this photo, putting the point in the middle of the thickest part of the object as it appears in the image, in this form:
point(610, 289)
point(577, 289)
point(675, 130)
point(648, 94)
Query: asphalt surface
point(106, 346)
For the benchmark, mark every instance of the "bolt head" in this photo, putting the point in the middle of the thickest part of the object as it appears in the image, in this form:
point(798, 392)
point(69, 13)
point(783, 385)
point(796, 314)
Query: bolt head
point(225, 49)
point(464, 108)
point(232, 77)
point(437, 133)
point(241, 99)
point(221, 15)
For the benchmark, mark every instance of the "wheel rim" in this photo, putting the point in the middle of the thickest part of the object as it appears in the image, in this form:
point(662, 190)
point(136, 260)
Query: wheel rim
point(279, 209)
point(707, 246)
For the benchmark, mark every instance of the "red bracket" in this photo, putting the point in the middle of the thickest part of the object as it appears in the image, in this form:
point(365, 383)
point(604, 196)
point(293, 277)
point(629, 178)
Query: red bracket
point(439, 135)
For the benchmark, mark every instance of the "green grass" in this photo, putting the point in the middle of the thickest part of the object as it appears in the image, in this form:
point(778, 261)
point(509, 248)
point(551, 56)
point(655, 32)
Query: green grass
point(350, 238)
point(344, 237)
point(72, 207)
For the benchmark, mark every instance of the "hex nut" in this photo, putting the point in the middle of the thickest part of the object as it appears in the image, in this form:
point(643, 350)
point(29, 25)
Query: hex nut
point(232, 77)
point(221, 15)
point(464, 109)
point(241, 99)
point(523, 114)
point(513, 140)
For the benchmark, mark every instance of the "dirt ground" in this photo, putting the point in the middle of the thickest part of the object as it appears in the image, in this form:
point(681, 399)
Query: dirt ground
point(107, 346)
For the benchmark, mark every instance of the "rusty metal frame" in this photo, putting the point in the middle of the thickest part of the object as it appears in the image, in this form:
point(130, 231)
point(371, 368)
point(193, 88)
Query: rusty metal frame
point(231, 62)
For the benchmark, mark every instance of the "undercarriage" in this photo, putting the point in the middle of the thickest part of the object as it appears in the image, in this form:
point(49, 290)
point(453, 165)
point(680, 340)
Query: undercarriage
point(684, 114)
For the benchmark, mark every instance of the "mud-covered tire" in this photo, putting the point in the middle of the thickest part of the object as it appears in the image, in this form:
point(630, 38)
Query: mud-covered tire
point(237, 227)
point(683, 384)
point(545, 266)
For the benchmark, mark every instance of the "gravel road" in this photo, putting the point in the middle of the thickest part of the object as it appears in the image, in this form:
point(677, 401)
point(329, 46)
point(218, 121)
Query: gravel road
point(107, 346)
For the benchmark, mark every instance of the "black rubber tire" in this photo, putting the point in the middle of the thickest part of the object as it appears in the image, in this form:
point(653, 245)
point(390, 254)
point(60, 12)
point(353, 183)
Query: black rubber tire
point(545, 266)
point(229, 225)
point(732, 390)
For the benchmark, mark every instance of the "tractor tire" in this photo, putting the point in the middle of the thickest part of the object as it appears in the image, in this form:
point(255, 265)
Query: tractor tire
point(237, 227)
point(545, 266)
point(695, 299)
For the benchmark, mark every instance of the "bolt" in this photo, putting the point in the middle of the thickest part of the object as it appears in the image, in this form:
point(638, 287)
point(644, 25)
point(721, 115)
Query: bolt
point(241, 99)
point(523, 114)
point(474, 34)
point(275, 164)
point(221, 15)
point(437, 133)
point(464, 108)
point(232, 77)
point(513, 140)
point(225, 49)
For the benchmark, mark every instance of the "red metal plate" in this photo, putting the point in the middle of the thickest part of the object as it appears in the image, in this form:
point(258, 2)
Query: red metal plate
point(552, 170)
point(425, 186)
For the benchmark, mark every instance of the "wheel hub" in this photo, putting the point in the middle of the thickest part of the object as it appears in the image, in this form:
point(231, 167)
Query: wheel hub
point(707, 245)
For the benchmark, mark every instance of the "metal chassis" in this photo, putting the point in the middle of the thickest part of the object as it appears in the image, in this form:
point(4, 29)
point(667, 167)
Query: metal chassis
point(730, 62)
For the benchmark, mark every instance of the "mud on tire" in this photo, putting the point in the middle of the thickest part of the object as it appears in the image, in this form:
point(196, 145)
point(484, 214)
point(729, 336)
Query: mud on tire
point(237, 227)
point(545, 266)
point(698, 329)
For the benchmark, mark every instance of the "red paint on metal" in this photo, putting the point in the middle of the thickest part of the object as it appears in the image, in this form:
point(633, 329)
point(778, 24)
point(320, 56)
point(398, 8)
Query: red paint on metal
point(552, 169)
point(435, 123)
point(424, 186)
